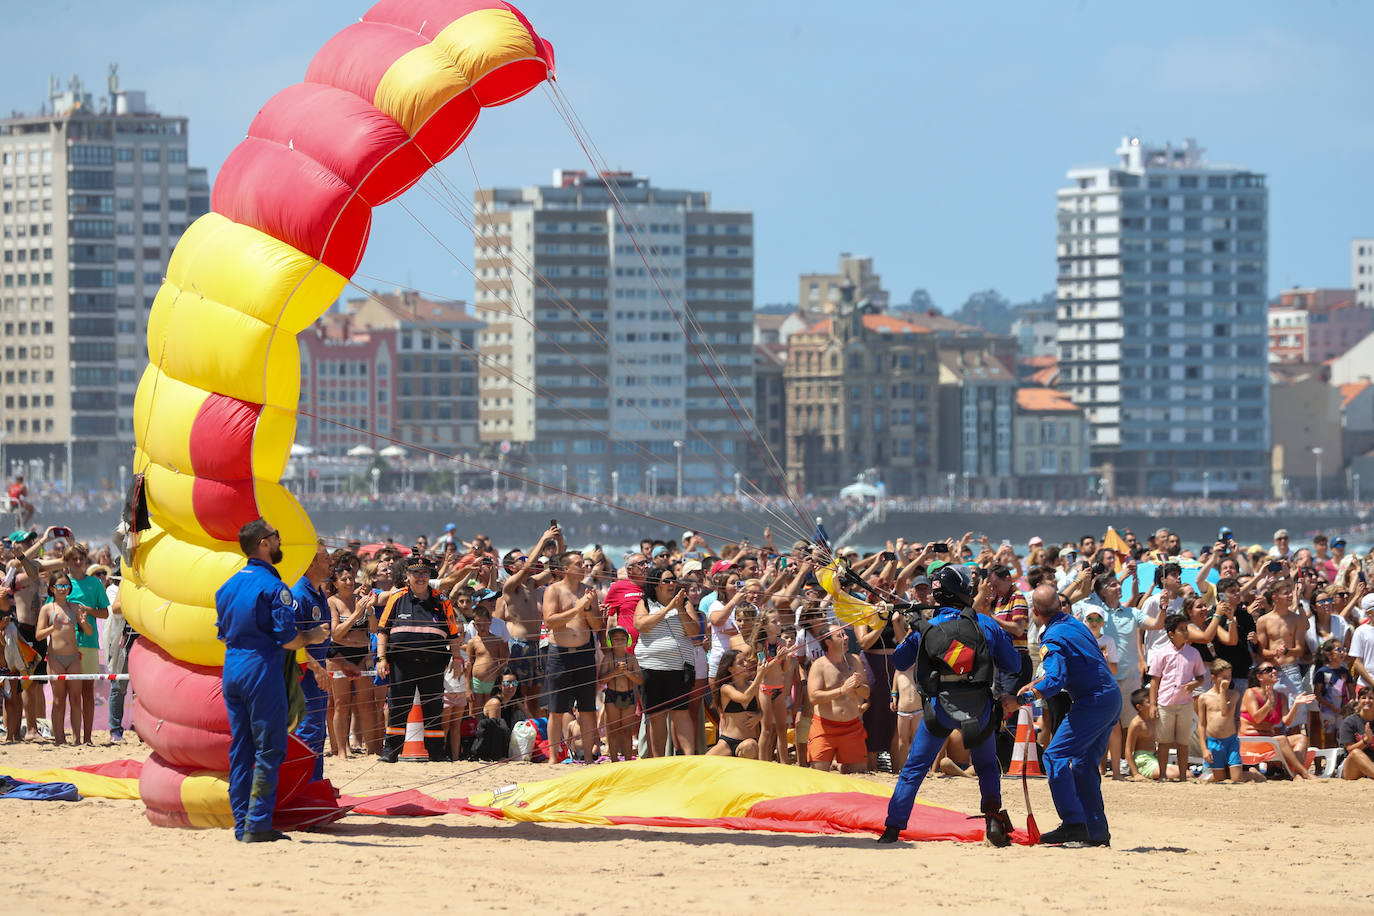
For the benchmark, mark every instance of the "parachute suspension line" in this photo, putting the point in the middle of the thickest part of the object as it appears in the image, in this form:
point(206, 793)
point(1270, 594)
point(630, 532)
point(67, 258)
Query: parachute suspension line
point(586, 323)
point(634, 237)
point(520, 381)
point(513, 476)
point(535, 277)
point(571, 119)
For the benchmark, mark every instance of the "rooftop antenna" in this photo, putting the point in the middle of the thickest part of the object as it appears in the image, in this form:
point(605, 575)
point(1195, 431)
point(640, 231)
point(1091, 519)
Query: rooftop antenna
point(113, 83)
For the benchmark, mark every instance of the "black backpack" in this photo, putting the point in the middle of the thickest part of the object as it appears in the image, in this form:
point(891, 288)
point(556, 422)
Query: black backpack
point(954, 669)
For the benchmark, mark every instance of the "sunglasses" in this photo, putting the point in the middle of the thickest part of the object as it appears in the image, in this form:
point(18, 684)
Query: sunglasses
point(60, 587)
point(1265, 670)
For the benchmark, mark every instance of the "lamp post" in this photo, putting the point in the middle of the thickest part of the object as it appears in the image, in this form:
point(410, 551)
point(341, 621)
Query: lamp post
point(376, 474)
point(615, 486)
point(737, 477)
point(1355, 478)
point(1206, 484)
point(677, 444)
point(1317, 451)
point(495, 478)
point(653, 480)
point(563, 479)
point(949, 485)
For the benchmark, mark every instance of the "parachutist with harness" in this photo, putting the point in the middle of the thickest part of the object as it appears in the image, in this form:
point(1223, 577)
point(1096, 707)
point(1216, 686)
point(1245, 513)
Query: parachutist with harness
point(957, 653)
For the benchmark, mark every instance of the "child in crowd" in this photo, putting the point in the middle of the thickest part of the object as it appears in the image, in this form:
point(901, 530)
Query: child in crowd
point(906, 703)
point(1334, 688)
point(619, 675)
point(1176, 670)
point(777, 678)
point(1216, 727)
point(1095, 621)
point(455, 706)
point(489, 654)
point(1142, 754)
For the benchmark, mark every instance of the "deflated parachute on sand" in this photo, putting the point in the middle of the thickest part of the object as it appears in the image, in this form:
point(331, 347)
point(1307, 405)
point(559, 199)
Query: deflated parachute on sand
point(723, 792)
point(215, 415)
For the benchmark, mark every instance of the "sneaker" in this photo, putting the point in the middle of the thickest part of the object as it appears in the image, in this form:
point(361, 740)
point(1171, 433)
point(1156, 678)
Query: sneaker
point(388, 756)
point(890, 835)
point(1065, 834)
point(997, 829)
point(265, 836)
point(1104, 841)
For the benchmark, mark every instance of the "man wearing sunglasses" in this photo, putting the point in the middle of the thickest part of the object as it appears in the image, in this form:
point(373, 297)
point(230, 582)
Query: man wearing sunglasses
point(255, 617)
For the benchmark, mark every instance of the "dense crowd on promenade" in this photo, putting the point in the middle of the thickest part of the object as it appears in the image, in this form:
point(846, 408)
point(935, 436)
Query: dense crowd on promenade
point(693, 647)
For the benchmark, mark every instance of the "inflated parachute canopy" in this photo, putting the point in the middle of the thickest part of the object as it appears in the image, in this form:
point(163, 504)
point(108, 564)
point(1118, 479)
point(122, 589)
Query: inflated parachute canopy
point(215, 415)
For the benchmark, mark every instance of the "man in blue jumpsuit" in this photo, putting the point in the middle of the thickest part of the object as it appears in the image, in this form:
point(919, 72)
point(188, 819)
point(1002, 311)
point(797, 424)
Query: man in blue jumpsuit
point(255, 616)
point(954, 591)
point(312, 609)
point(1074, 664)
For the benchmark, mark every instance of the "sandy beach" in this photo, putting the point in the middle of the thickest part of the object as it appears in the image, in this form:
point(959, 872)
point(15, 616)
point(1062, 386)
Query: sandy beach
point(1176, 849)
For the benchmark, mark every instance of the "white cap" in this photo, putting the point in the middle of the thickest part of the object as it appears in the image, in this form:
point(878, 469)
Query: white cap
point(1367, 603)
point(687, 535)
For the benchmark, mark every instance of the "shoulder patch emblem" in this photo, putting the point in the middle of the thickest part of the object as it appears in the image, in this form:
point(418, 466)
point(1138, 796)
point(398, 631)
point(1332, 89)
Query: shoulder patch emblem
point(315, 612)
point(285, 597)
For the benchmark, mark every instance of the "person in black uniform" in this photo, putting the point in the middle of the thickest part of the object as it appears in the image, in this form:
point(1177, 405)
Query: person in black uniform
point(418, 637)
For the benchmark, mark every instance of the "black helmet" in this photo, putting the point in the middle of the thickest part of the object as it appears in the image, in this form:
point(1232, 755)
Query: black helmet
point(953, 587)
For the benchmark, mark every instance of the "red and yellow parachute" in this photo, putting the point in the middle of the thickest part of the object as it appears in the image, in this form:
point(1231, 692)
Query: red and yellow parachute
point(215, 416)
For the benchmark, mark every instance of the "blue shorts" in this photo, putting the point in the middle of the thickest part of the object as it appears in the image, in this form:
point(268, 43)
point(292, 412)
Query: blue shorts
point(1225, 752)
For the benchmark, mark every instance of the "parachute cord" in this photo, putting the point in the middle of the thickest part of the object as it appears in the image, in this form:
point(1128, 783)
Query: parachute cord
point(624, 217)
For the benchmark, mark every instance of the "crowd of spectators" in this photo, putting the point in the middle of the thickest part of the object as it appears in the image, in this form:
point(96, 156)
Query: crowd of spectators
point(1263, 656)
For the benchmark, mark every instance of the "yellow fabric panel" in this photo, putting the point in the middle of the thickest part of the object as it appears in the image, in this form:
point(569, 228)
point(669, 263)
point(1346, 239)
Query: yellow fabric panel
point(848, 609)
point(272, 440)
point(171, 501)
point(218, 348)
point(90, 785)
point(167, 440)
point(222, 261)
point(298, 536)
point(690, 787)
point(184, 631)
point(418, 84)
point(484, 40)
point(187, 573)
point(205, 796)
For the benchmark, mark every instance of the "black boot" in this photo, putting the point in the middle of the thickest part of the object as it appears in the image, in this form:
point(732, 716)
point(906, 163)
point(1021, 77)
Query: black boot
point(998, 828)
point(1066, 834)
point(265, 836)
point(890, 834)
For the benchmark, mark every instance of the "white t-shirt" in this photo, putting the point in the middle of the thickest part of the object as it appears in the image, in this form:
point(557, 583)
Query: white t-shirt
point(1362, 646)
point(498, 628)
point(1156, 638)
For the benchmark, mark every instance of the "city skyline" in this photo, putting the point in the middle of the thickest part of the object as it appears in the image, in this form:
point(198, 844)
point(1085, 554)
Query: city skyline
point(985, 152)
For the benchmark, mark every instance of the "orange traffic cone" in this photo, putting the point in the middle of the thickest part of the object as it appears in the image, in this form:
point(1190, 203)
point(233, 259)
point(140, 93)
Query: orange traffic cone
point(414, 747)
point(1025, 754)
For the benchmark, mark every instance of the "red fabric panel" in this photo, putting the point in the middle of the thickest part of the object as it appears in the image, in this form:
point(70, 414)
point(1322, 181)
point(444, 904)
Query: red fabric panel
point(224, 506)
point(434, 15)
point(509, 82)
point(115, 769)
point(447, 128)
point(159, 785)
point(294, 199)
point(365, 148)
point(172, 689)
point(221, 443)
point(182, 745)
point(358, 57)
point(410, 803)
point(313, 806)
point(857, 812)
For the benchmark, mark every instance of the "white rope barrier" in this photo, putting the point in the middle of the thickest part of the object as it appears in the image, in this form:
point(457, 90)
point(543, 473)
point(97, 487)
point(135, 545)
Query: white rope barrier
point(64, 677)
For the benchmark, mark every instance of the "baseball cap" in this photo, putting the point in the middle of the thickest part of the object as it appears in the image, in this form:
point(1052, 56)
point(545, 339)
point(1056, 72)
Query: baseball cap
point(20, 536)
point(486, 594)
point(659, 550)
point(1093, 612)
point(691, 566)
point(1367, 603)
point(919, 580)
point(450, 527)
point(1036, 541)
point(614, 630)
point(721, 566)
point(1338, 542)
point(688, 535)
point(1281, 533)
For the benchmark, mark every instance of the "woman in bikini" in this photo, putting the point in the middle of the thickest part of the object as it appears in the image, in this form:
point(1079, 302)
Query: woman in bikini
point(1262, 714)
point(619, 675)
point(770, 646)
point(57, 623)
point(737, 696)
point(351, 619)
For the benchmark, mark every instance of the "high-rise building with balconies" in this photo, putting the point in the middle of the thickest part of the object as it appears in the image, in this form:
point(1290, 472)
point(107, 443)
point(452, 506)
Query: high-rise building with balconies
point(93, 197)
point(1163, 267)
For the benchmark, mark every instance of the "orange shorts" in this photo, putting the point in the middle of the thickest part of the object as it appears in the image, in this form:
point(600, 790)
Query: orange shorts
point(842, 741)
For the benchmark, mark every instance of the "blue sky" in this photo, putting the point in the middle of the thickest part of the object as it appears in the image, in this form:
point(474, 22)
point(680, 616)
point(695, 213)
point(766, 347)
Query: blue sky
point(931, 136)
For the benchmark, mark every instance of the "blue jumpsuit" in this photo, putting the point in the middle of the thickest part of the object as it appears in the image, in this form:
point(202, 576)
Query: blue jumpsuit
point(255, 615)
point(312, 610)
point(925, 746)
point(1074, 664)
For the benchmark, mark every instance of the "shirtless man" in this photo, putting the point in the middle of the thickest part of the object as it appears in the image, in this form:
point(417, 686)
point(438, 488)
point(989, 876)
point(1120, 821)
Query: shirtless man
point(29, 595)
point(573, 617)
point(837, 686)
point(1282, 635)
point(18, 493)
point(520, 607)
point(489, 655)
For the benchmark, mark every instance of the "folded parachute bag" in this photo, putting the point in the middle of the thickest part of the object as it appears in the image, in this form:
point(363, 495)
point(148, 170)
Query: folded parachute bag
point(37, 791)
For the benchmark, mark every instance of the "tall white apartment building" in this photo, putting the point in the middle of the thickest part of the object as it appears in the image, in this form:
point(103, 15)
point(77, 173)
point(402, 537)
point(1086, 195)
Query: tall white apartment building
point(1362, 271)
point(93, 196)
point(585, 366)
point(1162, 284)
